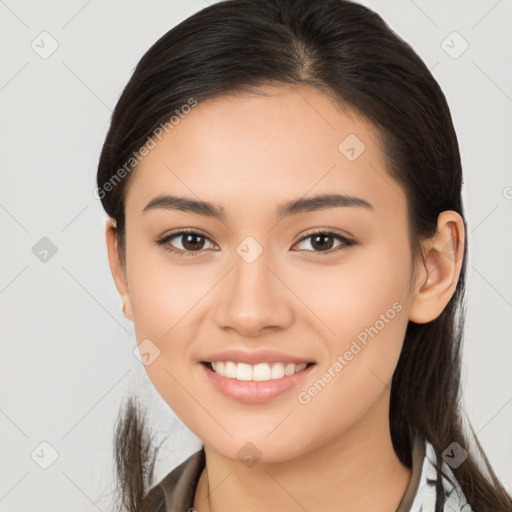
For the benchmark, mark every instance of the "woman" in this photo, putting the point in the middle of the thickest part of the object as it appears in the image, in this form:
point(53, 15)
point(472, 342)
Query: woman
point(286, 232)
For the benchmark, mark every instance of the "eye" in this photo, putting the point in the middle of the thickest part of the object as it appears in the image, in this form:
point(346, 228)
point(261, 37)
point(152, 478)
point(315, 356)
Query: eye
point(323, 240)
point(191, 242)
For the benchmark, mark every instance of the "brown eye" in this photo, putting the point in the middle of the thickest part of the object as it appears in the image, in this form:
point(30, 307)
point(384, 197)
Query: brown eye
point(322, 241)
point(192, 241)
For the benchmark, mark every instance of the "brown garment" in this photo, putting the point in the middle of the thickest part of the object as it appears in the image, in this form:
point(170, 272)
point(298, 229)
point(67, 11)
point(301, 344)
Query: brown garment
point(176, 491)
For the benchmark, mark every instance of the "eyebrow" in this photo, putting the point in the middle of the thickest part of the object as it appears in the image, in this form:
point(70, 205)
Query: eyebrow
point(294, 207)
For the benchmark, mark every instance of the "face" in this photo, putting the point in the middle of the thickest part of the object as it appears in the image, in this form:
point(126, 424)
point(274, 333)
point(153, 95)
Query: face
point(326, 284)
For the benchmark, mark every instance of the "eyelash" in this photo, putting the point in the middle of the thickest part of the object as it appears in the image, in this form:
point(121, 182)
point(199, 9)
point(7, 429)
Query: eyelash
point(166, 239)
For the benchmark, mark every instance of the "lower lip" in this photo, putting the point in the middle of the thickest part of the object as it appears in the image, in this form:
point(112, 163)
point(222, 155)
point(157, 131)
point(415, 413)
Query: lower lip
point(255, 392)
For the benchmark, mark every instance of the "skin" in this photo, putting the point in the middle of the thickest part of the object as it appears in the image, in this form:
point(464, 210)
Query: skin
point(250, 153)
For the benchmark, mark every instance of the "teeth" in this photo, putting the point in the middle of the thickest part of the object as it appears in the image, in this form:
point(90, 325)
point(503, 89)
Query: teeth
point(257, 372)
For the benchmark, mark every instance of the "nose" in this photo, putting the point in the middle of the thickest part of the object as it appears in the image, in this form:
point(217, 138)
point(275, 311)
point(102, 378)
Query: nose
point(252, 298)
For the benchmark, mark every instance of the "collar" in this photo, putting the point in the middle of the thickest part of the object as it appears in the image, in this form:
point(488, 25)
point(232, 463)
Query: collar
point(177, 490)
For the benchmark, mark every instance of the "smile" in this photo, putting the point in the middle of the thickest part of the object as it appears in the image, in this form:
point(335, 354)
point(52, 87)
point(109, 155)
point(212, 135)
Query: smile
point(255, 384)
point(257, 372)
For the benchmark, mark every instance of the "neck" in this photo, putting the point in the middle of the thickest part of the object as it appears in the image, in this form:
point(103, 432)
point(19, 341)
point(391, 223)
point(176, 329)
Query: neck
point(356, 470)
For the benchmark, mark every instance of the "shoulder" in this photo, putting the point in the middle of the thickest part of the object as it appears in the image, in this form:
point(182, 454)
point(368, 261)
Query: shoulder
point(154, 501)
point(176, 490)
point(425, 499)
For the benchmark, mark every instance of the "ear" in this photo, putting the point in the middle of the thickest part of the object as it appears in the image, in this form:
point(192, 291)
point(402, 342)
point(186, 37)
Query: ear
point(438, 278)
point(116, 267)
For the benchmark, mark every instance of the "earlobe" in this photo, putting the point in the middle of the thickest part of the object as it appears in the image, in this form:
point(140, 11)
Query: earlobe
point(438, 279)
point(116, 267)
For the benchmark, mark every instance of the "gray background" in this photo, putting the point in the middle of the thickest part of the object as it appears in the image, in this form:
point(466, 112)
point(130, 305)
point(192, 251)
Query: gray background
point(67, 351)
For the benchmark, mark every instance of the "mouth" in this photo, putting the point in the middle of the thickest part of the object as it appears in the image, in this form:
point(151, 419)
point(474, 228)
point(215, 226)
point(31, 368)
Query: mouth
point(258, 383)
point(255, 372)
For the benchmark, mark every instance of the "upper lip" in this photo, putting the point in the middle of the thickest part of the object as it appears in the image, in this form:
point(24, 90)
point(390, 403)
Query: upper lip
point(255, 356)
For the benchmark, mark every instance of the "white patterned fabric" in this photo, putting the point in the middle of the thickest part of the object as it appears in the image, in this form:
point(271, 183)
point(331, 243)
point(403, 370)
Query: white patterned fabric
point(425, 498)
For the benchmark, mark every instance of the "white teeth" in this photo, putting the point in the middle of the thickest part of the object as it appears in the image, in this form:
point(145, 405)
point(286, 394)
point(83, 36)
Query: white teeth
point(261, 371)
point(229, 370)
point(243, 371)
point(258, 372)
point(277, 371)
point(290, 369)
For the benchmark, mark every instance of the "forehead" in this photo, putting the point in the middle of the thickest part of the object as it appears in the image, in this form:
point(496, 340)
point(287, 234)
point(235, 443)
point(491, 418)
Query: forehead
point(247, 150)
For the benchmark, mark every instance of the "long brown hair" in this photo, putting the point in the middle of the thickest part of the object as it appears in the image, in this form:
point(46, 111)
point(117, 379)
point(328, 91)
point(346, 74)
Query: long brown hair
point(348, 51)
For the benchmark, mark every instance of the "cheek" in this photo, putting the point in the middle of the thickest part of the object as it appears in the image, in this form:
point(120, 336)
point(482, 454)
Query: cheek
point(357, 373)
point(163, 294)
point(362, 309)
point(368, 289)
point(166, 300)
